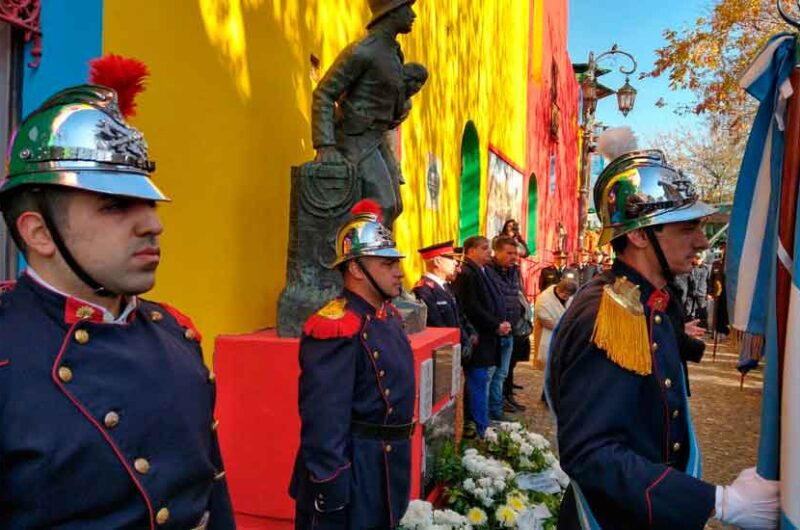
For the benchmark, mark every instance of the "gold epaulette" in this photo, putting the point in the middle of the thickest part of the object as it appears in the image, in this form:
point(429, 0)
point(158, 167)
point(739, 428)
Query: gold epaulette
point(334, 320)
point(334, 310)
point(621, 327)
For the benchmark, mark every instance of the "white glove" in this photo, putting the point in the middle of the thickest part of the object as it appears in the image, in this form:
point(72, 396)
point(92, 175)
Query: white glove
point(751, 502)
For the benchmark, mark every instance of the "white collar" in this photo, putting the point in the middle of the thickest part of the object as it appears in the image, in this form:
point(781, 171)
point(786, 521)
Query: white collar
point(108, 316)
point(435, 278)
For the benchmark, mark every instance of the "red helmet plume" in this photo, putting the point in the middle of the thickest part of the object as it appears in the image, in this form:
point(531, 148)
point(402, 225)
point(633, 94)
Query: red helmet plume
point(368, 206)
point(125, 75)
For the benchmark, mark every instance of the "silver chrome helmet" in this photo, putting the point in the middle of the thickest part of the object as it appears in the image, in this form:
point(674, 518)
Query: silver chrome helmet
point(364, 235)
point(79, 139)
point(640, 189)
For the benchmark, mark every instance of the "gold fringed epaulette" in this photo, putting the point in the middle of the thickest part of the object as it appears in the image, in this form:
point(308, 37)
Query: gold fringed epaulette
point(621, 327)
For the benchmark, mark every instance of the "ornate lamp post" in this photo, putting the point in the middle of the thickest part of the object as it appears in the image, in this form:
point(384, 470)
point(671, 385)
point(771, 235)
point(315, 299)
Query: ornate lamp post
point(626, 98)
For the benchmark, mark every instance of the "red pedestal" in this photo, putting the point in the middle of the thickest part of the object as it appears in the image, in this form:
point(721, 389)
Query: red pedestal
point(259, 425)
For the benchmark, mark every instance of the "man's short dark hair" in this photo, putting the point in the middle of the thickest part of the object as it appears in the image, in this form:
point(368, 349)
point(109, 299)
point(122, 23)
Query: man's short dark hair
point(501, 241)
point(25, 199)
point(474, 242)
point(567, 286)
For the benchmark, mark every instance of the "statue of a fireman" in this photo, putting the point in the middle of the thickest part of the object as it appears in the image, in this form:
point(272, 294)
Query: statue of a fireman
point(363, 98)
point(356, 391)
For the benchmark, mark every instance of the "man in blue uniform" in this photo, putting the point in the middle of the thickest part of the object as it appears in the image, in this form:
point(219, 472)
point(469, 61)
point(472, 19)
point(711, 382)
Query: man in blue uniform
point(106, 407)
point(443, 264)
point(356, 391)
point(434, 287)
point(616, 383)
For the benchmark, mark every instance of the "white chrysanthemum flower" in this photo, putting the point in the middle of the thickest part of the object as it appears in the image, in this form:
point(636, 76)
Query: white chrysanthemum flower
point(477, 516)
point(471, 452)
point(449, 517)
point(538, 441)
point(526, 449)
point(499, 484)
point(517, 503)
point(491, 435)
point(468, 485)
point(506, 516)
point(485, 482)
point(516, 437)
point(487, 501)
point(419, 513)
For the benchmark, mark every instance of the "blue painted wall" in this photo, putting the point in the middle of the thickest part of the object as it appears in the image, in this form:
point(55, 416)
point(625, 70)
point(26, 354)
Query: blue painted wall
point(72, 34)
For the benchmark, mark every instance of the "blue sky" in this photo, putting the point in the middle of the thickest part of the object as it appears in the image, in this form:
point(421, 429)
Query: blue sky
point(637, 27)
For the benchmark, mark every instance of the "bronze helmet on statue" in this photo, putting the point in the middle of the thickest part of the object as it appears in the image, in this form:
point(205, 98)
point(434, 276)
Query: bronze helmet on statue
point(379, 8)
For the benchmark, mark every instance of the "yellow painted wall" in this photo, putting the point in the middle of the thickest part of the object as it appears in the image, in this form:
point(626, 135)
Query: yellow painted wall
point(227, 114)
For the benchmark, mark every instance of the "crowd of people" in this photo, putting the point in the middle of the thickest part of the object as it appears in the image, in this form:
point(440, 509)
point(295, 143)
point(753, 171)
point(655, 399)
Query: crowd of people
point(478, 288)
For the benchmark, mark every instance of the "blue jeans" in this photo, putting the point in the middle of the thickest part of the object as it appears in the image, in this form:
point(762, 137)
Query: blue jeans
point(477, 383)
point(498, 376)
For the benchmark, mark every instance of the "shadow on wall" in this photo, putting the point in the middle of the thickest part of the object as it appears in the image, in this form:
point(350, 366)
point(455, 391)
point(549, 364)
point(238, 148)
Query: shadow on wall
point(266, 49)
point(479, 73)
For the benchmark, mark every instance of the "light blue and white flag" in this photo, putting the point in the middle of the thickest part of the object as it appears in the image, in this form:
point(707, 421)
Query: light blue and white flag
point(754, 228)
point(753, 251)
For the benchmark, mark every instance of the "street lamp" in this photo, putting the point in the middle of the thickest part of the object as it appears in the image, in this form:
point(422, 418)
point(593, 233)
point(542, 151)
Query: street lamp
point(626, 98)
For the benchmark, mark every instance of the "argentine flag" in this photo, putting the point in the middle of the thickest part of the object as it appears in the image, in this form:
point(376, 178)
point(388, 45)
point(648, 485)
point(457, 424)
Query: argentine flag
point(753, 253)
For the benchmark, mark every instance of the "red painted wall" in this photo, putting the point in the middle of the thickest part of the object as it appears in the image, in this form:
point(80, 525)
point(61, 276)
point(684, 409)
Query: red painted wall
point(562, 204)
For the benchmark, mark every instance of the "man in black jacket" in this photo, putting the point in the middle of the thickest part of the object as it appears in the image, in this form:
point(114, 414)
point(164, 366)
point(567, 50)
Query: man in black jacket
point(484, 308)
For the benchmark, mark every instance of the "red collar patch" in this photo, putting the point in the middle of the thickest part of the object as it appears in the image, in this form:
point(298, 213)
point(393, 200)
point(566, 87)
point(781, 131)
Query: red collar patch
point(658, 301)
point(78, 311)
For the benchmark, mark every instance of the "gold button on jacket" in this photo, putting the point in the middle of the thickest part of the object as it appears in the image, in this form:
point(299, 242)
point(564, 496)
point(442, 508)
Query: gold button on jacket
point(142, 465)
point(65, 374)
point(111, 419)
point(162, 516)
point(81, 336)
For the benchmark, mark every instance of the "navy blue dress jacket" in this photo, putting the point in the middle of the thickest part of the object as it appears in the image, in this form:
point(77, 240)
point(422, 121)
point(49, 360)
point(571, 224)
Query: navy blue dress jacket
point(624, 437)
point(484, 306)
point(356, 365)
point(104, 426)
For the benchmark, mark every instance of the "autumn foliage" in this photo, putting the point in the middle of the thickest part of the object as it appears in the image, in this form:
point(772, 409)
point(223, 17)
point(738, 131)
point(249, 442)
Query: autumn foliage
point(709, 57)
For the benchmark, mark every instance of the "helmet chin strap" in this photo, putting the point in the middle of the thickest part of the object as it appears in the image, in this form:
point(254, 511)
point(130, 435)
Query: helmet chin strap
point(662, 259)
point(47, 215)
point(372, 281)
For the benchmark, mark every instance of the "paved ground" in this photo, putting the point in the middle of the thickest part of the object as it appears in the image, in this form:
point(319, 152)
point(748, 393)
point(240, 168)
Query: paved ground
point(726, 417)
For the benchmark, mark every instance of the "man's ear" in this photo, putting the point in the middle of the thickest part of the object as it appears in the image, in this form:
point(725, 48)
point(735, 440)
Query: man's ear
point(638, 238)
point(354, 270)
point(33, 231)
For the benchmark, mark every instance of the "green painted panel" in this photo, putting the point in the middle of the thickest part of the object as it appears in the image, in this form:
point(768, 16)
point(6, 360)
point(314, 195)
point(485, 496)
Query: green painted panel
point(470, 199)
point(533, 209)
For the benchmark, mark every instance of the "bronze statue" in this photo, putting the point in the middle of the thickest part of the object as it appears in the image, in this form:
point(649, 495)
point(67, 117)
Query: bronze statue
point(357, 107)
point(363, 98)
